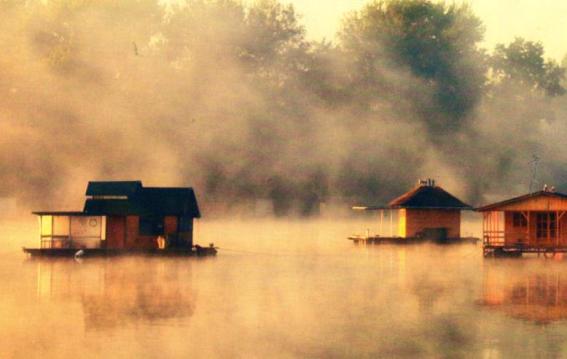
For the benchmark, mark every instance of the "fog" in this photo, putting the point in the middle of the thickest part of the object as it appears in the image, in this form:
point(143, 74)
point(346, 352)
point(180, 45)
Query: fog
point(284, 289)
point(234, 100)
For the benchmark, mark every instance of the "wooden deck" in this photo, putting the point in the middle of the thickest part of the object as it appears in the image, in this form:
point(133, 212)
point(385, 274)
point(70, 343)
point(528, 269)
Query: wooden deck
point(518, 250)
point(364, 240)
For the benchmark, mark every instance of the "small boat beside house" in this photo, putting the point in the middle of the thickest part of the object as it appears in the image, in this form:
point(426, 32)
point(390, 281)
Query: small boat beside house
point(532, 223)
point(123, 218)
point(427, 213)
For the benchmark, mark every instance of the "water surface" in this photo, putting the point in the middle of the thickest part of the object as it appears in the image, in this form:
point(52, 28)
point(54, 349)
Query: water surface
point(282, 289)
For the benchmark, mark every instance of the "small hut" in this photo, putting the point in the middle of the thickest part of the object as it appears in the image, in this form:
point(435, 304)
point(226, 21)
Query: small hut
point(532, 223)
point(123, 215)
point(427, 212)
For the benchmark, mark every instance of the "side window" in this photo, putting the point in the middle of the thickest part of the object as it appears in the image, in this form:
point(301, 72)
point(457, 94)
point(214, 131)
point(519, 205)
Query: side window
point(151, 225)
point(518, 220)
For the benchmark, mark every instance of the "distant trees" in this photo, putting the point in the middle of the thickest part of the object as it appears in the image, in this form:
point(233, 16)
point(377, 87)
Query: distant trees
point(232, 95)
point(522, 62)
point(436, 42)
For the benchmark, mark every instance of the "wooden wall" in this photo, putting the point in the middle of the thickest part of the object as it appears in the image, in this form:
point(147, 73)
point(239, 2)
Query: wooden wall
point(417, 220)
point(514, 235)
point(115, 232)
point(123, 232)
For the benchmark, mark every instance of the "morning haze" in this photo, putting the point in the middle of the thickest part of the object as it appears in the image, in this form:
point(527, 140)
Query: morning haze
point(279, 134)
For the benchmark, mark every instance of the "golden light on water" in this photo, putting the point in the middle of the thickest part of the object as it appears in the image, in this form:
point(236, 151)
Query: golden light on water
point(281, 289)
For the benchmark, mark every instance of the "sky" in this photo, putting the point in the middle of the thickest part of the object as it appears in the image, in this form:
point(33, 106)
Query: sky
point(536, 20)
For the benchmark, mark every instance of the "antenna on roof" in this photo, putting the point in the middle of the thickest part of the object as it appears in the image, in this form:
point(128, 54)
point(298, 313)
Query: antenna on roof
point(534, 162)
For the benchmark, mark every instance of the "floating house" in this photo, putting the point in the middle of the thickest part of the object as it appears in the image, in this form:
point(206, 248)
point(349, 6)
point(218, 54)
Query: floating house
point(532, 223)
point(427, 212)
point(122, 217)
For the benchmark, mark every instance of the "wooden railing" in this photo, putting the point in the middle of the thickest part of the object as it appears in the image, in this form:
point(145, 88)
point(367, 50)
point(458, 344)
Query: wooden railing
point(500, 238)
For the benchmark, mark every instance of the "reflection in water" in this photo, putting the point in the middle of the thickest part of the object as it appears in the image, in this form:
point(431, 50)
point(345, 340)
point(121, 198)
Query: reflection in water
point(284, 290)
point(530, 292)
point(113, 293)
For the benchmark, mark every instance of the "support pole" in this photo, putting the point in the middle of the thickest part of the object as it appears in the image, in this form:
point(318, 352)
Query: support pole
point(392, 223)
point(528, 239)
point(381, 222)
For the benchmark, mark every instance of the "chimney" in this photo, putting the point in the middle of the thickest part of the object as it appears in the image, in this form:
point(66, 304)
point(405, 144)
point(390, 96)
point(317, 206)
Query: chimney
point(426, 182)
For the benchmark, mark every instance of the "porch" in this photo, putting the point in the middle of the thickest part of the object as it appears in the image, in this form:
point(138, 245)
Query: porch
point(525, 231)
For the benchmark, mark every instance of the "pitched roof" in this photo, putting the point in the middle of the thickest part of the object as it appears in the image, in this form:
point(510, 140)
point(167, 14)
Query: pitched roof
point(170, 200)
point(491, 206)
point(428, 197)
point(113, 188)
point(148, 201)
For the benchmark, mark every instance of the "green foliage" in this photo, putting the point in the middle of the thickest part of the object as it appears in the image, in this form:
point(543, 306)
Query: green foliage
point(438, 43)
point(523, 62)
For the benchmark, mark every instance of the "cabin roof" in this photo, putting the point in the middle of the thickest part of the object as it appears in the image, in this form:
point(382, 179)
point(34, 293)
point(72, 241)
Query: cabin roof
point(134, 199)
point(522, 198)
point(428, 197)
point(148, 201)
point(113, 188)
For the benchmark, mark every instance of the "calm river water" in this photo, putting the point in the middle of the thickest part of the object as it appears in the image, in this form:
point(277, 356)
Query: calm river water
point(282, 289)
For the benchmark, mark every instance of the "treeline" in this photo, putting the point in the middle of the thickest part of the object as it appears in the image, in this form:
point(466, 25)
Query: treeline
point(235, 100)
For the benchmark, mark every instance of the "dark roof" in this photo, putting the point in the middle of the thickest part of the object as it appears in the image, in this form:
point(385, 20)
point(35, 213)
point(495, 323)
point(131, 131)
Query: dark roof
point(113, 188)
point(116, 207)
point(149, 201)
point(520, 199)
point(171, 200)
point(428, 197)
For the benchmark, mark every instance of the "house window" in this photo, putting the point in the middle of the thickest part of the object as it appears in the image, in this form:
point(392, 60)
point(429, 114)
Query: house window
point(151, 225)
point(546, 224)
point(519, 220)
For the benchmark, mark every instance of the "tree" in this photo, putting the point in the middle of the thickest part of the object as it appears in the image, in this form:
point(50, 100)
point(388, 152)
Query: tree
point(523, 62)
point(436, 42)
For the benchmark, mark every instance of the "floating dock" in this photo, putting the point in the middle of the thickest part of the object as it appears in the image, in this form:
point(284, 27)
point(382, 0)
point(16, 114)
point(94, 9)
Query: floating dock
point(366, 240)
point(197, 251)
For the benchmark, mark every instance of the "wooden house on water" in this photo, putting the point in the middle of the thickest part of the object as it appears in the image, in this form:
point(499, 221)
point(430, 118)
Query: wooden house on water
point(427, 212)
point(532, 223)
point(122, 217)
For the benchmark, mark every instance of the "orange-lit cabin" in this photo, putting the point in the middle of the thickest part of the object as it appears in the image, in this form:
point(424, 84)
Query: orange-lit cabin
point(426, 211)
point(535, 222)
point(124, 215)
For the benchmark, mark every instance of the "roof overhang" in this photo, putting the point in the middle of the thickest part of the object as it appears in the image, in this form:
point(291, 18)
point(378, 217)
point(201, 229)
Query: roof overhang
point(63, 213)
point(502, 204)
point(378, 208)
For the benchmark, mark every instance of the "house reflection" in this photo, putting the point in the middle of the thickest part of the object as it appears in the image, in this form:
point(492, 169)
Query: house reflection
point(113, 293)
point(534, 294)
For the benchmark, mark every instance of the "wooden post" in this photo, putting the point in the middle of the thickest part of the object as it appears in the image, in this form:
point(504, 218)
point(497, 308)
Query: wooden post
point(557, 228)
point(548, 226)
point(381, 222)
point(528, 240)
point(392, 223)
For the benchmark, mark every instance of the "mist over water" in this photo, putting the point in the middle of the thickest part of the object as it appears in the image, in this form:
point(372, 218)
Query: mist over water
point(284, 289)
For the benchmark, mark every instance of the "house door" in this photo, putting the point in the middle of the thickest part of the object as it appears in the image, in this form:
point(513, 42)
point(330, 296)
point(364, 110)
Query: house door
point(546, 226)
point(116, 232)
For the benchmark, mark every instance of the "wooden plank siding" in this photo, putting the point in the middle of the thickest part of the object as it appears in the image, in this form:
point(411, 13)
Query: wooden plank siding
point(500, 228)
point(416, 220)
point(124, 232)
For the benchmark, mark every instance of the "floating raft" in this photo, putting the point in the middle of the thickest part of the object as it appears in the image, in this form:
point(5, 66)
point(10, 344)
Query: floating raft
point(357, 239)
point(197, 251)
